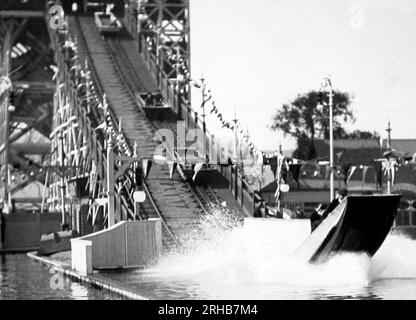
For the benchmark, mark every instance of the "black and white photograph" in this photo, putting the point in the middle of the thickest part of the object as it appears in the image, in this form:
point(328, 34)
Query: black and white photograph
point(224, 152)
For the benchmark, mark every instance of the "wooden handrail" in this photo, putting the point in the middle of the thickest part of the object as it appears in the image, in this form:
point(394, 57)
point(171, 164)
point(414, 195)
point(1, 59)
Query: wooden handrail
point(146, 188)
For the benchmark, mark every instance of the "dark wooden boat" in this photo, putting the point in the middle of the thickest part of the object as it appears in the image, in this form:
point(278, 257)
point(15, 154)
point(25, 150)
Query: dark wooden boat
point(107, 22)
point(155, 107)
point(56, 242)
point(359, 224)
point(194, 166)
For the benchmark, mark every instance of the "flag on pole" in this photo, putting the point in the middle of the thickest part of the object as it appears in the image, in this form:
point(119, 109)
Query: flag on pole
point(172, 167)
point(197, 168)
point(146, 165)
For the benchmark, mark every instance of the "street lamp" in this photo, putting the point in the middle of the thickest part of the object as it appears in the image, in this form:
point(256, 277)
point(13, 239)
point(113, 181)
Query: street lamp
point(326, 84)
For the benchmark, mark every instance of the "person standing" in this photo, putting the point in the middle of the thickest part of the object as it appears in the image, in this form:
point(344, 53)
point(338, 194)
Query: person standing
point(339, 196)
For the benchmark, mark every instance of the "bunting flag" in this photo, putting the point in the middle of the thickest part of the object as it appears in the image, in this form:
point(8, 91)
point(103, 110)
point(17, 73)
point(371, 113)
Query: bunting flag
point(328, 170)
point(345, 168)
point(5, 84)
point(197, 168)
point(282, 167)
point(350, 173)
point(172, 167)
point(146, 165)
point(365, 169)
point(102, 125)
point(273, 167)
point(214, 109)
point(339, 155)
point(295, 170)
point(379, 174)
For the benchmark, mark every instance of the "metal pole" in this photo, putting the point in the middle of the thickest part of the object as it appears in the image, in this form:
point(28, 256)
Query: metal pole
point(136, 204)
point(331, 143)
point(278, 178)
point(235, 147)
point(389, 178)
point(44, 191)
point(110, 183)
point(1, 229)
point(6, 68)
point(204, 127)
point(62, 185)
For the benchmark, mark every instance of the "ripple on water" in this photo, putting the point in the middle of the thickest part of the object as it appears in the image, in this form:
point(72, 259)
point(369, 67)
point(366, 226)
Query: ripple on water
point(22, 278)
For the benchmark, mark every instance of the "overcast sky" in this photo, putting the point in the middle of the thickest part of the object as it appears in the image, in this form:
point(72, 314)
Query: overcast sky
point(257, 55)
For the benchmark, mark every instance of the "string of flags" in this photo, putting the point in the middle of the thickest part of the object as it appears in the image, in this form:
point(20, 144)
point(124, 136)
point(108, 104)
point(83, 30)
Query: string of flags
point(231, 125)
point(312, 169)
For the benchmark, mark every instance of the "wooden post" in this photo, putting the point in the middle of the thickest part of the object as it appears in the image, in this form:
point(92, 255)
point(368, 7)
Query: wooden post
point(1, 229)
point(136, 204)
point(235, 182)
point(331, 144)
point(110, 183)
point(6, 68)
point(62, 182)
point(242, 191)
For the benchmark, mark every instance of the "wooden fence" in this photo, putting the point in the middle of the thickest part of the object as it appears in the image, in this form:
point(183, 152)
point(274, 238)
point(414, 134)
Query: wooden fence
point(127, 244)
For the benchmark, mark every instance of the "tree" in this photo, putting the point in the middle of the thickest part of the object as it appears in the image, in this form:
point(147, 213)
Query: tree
point(303, 120)
point(358, 134)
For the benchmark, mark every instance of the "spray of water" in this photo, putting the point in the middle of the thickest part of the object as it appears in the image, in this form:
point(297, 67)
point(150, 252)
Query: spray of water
point(396, 259)
point(222, 252)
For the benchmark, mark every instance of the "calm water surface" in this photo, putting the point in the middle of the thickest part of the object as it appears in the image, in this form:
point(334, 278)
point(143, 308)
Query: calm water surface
point(22, 278)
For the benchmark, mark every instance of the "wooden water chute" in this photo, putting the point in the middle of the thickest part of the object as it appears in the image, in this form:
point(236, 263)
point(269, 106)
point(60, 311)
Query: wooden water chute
point(107, 22)
point(155, 106)
point(194, 166)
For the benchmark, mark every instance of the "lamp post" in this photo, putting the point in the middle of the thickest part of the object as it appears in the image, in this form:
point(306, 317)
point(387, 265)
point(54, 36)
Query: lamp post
point(326, 84)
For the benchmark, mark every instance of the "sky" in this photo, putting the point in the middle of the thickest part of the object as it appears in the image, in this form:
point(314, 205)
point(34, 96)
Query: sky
point(258, 55)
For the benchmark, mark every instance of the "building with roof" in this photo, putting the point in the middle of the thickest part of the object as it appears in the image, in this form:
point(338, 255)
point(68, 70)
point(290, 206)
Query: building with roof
point(350, 151)
point(356, 170)
point(309, 181)
point(407, 147)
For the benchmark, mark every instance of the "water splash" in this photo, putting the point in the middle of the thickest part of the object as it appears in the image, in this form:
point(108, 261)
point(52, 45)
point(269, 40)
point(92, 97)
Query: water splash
point(223, 258)
point(396, 259)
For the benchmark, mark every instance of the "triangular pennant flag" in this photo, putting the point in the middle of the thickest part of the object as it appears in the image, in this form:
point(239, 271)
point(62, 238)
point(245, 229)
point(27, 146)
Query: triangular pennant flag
point(345, 169)
point(339, 155)
point(146, 165)
point(328, 170)
point(379, 174)
point(273, 167)
point(102, 125)
point(350, 173)
point(94, 214)
point(365, 169)
point(197, 168)
point(295, 170)
point(172, 167)
point(393, 169)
